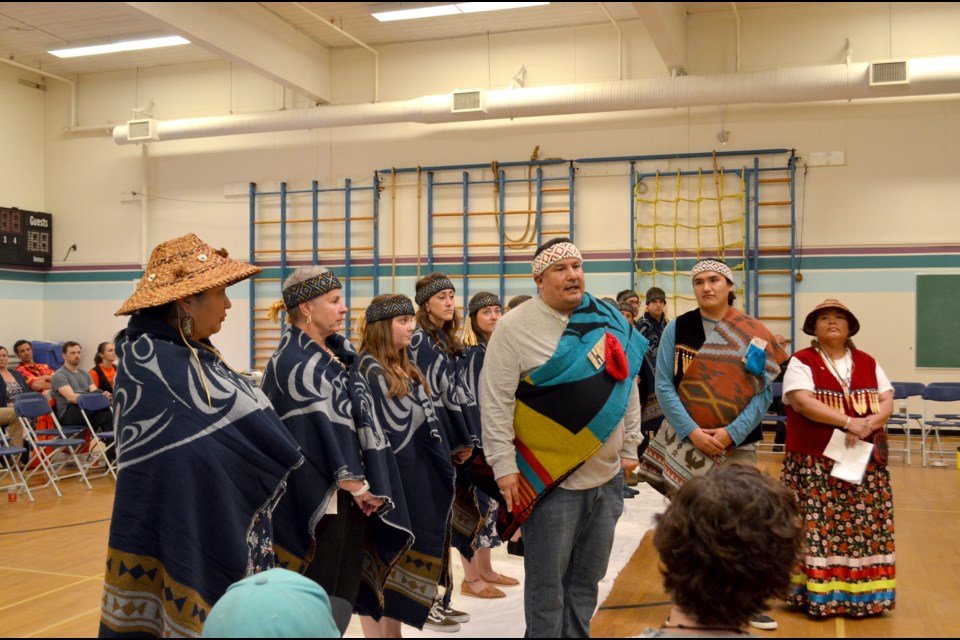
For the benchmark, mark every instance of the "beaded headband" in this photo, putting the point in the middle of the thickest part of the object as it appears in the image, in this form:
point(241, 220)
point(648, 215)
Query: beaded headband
point(310, 289)
point(481, 300)
point(712, 265)
point(654, 294)
point(389, 308)
point(554, 254)
point(432, 288)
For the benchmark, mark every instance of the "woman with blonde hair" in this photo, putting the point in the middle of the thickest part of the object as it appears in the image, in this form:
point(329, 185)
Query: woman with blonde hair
point(397, 403)
point(323, 521)
point(483, 313)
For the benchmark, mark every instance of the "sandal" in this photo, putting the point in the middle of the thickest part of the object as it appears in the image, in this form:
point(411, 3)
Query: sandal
point(488, 592)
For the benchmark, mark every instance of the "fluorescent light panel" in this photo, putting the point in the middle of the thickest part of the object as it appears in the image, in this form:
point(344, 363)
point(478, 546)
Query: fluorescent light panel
point(451, 10)
point(116, 47)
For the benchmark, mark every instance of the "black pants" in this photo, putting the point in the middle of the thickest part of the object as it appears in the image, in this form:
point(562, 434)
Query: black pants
point(337, 562)
point(101, 420)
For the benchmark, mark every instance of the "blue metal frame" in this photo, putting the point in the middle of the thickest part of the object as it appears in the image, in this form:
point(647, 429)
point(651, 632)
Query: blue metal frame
point(751, 178)
point(464, 183)
point(348, 191)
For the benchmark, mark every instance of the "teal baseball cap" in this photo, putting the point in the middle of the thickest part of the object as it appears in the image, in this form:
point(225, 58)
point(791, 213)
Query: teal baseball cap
point(277, 603)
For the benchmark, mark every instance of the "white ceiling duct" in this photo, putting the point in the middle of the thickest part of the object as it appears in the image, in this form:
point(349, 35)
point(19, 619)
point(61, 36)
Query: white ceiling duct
point(928, 76)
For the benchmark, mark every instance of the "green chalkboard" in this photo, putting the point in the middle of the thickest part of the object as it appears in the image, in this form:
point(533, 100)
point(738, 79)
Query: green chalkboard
point(938, 321)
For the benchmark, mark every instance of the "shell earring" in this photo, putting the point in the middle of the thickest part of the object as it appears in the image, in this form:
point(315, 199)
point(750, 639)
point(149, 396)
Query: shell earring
point(186, 326)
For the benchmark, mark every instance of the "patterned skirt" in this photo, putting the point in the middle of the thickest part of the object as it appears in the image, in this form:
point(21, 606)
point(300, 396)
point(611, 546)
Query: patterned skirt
point(487, 538)
point(849, 567)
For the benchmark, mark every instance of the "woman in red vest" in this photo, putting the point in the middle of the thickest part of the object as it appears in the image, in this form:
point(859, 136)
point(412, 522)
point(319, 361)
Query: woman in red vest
point(849, 566)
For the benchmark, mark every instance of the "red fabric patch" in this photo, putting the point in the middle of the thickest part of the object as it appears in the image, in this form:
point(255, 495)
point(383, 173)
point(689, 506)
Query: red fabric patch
point(616, 358)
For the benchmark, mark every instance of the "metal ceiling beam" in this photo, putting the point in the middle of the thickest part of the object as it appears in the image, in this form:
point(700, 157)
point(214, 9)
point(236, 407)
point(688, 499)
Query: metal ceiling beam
point(666, 23)
point(249, 35)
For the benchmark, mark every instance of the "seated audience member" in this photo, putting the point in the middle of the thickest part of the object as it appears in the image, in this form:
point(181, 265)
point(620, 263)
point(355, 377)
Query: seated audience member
point(727, 543)
point(277, 603)
point(36, 374)
point(69, 382)
point(11, 386)
point(104, 367)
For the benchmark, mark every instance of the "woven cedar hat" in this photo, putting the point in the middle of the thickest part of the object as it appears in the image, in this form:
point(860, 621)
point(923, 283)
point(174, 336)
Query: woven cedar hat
point(183, 267)
point(830, 303)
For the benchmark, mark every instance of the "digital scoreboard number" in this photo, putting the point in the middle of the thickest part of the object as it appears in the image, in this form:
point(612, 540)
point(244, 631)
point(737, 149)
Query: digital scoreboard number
point(26, 238)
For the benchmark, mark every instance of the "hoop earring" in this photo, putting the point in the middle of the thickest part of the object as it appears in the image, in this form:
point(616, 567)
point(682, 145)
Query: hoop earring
point(186, 326)
point(309, 320)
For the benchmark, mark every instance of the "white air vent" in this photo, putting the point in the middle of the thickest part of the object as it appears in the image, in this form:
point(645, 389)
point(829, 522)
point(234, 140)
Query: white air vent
point(142, 130)
point(469, 100)
point(890, 72)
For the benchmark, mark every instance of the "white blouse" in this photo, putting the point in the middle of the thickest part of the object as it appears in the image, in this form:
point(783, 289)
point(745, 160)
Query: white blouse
point(799, 377)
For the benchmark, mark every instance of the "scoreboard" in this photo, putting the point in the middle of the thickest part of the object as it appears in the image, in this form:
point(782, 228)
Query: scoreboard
point(26, 238)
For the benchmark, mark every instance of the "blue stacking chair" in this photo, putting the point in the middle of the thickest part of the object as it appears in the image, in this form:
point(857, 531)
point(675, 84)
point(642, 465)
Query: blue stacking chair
point(943, 392)
point(11, 477)
point(52, 454)
point(100, 443)
point(902, 392)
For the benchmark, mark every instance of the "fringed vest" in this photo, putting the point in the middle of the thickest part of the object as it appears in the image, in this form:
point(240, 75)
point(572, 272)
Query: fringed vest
point(863, 398)
point(689, 338)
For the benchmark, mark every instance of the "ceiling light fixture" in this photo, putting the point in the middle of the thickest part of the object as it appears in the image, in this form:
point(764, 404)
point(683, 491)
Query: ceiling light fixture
point(116, 47)
point(451, 10)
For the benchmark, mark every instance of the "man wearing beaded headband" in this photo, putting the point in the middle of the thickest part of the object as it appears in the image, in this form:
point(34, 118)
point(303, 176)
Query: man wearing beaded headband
point(696, 393)
point(561, 421)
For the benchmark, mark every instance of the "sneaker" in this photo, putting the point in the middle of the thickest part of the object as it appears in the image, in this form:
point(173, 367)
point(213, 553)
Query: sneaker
point(629, 492)
point(763, 621)
point(436, 621)
point(457, 616)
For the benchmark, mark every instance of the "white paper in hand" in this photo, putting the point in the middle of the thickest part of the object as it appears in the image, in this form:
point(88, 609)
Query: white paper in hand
point(850, 463)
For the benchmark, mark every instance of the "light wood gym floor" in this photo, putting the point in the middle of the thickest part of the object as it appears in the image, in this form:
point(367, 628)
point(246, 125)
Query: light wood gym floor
point(52, 553)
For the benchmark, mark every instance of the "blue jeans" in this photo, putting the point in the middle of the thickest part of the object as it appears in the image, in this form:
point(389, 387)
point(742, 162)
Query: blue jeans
point(567, 541)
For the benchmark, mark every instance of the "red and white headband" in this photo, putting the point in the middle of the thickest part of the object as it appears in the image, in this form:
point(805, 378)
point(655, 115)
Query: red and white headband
point(712, 265)
point(554, 254)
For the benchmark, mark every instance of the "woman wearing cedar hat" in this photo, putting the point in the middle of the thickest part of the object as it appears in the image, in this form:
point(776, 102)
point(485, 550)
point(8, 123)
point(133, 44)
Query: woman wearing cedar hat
point(203, 457)
point(830, 387)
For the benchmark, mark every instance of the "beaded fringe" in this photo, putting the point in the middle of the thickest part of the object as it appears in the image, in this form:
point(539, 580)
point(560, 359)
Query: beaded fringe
point(861, 401)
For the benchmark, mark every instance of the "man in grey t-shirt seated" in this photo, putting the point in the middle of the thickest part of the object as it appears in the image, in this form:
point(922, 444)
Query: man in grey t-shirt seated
point(68, 383)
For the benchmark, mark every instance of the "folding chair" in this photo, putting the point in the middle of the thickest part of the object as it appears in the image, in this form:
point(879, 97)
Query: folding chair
point(10, 467)
point(902, 420)
point(53, 453)
point(102, 443)
point(946, 392)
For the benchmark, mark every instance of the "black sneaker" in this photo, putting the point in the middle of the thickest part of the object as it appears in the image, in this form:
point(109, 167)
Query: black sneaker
point(436, 621)
point(457, 616)
point(763, 621)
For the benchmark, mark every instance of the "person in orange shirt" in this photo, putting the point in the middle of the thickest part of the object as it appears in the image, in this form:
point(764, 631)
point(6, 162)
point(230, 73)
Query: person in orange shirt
point(104, 367)
point(36, 374)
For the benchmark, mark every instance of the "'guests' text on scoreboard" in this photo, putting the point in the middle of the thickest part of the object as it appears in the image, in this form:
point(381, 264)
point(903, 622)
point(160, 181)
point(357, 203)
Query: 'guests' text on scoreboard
point(26, 238)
